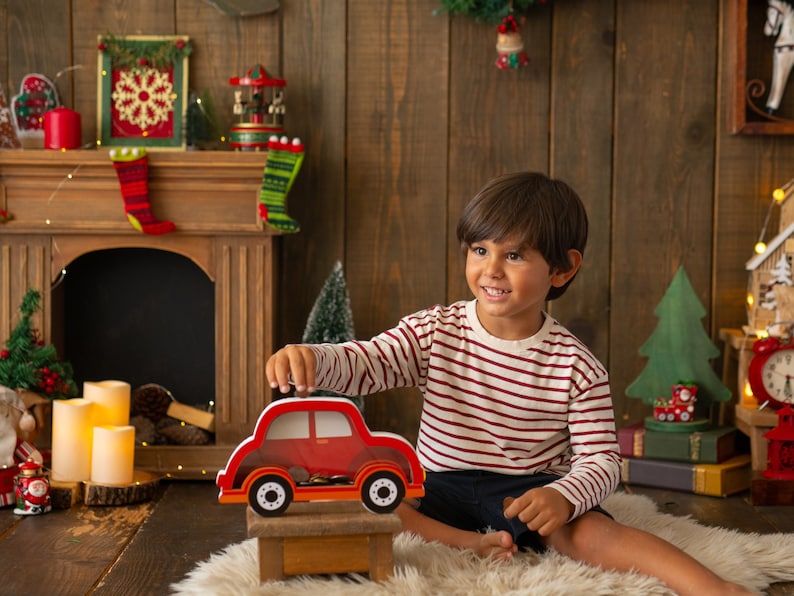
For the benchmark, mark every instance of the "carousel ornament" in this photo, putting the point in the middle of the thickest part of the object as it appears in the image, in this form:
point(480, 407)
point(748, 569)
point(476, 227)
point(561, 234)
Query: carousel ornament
point(510, 45)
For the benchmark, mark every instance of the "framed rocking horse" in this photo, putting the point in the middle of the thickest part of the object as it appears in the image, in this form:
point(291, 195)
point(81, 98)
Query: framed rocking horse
point(759, 50)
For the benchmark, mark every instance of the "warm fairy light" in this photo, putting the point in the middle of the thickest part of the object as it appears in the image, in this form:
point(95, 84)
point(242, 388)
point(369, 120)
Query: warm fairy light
point(179, 467)
point(778, 194)
point(47, 221)
point(203, 472)
point(760, 248)
point(761, 333)
point(750, 300)
point(144, 443)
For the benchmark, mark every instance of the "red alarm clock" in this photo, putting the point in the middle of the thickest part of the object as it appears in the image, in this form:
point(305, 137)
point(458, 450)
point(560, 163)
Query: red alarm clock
point(771, 373)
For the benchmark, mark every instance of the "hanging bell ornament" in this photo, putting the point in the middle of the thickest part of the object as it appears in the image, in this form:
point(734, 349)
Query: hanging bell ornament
point(509, 45)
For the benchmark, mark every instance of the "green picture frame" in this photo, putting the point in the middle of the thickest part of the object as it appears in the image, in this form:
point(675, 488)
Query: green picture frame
point(142, 91)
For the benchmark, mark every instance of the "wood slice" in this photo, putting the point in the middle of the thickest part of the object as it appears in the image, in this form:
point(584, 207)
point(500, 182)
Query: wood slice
point(142, 488)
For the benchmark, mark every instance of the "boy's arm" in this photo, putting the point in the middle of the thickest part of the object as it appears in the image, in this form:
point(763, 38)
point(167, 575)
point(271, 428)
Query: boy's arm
point(595, 461)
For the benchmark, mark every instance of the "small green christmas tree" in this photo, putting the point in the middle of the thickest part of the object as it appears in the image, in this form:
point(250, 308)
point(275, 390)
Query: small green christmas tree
point(27, 363)
point(679, 349)
point(331, 320)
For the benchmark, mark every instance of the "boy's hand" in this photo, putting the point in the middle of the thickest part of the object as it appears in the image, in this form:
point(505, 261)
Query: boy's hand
point(292, 364)
point(544, 510)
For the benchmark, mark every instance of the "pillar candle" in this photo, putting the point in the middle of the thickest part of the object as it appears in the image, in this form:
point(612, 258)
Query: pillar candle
point(112, 399)
point(113, 454)
point(62, 129)
point(72, 436)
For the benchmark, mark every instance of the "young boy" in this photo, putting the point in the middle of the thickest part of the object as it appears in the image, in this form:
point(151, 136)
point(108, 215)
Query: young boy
point(517, 431)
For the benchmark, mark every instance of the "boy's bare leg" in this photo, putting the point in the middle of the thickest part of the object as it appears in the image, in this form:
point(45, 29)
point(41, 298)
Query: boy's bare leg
point(493, 544)
point(598, 540)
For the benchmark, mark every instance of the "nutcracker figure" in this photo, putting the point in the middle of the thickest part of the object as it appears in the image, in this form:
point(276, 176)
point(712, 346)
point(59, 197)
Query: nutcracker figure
point(32, 489)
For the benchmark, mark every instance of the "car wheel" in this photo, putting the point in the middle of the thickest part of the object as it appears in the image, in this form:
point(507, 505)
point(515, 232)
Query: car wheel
point(382, 492)
point(685, 416)
point(270, 495)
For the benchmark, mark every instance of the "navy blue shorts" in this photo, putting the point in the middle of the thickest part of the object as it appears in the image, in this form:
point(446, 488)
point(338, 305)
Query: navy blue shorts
point(473, 500)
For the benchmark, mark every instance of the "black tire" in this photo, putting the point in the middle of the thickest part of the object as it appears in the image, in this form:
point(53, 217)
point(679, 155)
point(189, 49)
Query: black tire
point(270, 495)
point(382, 492)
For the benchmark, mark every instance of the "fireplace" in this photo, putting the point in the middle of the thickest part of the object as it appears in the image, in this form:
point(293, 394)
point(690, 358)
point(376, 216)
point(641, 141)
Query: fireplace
point(67, 207)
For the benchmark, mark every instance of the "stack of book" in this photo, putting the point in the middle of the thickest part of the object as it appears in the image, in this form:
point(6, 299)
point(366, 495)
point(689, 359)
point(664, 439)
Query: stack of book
point(704, 462)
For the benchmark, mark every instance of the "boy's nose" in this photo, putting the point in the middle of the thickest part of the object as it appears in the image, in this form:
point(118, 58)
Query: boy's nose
point(493, 268)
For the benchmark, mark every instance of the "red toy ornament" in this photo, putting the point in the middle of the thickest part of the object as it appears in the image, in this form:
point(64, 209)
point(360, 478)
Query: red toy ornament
point(780, 447)
point(32, 490)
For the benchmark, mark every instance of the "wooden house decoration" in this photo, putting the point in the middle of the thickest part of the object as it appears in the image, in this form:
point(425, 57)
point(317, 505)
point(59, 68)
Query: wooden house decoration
point(780, 447)
point(770, 294)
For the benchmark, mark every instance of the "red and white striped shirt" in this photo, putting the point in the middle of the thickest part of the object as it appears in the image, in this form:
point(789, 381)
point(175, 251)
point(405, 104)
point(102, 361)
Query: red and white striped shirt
point(540, 404)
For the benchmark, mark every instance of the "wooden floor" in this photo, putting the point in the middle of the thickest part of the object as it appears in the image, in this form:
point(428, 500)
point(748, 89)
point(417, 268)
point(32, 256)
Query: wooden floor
point(142, 549)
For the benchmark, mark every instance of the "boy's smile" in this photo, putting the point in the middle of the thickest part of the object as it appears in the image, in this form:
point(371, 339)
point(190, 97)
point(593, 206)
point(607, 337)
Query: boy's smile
point(510, 282)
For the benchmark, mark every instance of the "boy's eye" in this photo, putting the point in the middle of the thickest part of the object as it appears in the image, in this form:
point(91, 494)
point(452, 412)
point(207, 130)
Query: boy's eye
point(478, 250)
point(513, 256)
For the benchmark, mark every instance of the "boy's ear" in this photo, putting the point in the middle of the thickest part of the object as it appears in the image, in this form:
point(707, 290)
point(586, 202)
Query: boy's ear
point(560, 278)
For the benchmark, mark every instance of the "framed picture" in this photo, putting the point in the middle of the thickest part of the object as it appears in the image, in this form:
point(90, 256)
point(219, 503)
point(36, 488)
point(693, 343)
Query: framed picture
point(757, 44)
point(142, 90)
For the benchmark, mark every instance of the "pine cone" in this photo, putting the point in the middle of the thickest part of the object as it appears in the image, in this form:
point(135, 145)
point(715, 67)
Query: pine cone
point(151, 401)
point(186, 434)
point(144, 430)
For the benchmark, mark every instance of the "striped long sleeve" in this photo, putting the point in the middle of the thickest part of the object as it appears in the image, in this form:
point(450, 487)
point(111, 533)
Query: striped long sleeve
point(541, 404)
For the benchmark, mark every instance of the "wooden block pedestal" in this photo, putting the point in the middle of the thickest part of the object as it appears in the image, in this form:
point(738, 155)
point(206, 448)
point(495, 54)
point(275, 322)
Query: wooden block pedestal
point(755, 423)
point(331, 537)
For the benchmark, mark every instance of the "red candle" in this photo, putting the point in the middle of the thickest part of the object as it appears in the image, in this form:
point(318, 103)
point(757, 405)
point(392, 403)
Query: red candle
point(62, 129)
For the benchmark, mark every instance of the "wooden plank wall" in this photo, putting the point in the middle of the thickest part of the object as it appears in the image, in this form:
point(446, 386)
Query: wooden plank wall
point(404, 117)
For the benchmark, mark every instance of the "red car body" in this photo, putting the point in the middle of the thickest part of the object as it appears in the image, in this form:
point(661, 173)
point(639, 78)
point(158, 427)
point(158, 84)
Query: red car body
point(319, 449)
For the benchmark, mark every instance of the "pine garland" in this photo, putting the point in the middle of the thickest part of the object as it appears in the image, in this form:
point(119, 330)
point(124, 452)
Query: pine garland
point(28, 363)
point(135, 53)
point(488, 11)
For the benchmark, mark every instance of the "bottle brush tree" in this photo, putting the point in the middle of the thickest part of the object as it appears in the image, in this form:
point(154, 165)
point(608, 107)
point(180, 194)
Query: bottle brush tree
point(331, 320)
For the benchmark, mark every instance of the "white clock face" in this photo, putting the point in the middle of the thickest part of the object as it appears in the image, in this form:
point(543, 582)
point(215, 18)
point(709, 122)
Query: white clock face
point(778, 376)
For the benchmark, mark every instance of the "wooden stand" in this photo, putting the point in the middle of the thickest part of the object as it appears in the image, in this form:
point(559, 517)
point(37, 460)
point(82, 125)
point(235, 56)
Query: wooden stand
point(333, 537)
point(736, 358)
point(754, 423)
point(767, 491)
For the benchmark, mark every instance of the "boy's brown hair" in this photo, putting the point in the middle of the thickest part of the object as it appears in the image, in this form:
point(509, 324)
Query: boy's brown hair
point(542, 213)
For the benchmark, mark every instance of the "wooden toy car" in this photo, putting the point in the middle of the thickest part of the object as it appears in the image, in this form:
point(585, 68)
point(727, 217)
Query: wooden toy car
point(319, 449)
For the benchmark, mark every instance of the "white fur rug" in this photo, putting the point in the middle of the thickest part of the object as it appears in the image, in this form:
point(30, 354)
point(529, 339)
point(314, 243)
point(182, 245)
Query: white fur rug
point(753, 560)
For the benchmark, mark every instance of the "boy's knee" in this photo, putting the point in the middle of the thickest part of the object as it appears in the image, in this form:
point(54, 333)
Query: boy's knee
point(583, 538)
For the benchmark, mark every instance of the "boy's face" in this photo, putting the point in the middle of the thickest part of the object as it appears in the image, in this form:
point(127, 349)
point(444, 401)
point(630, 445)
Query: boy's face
point(510, 283)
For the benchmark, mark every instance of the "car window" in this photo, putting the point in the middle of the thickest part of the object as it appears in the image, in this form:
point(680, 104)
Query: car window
point(331, 424)
point(290, 425)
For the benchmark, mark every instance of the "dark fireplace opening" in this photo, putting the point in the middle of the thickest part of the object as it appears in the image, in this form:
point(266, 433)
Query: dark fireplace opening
point(142, 316)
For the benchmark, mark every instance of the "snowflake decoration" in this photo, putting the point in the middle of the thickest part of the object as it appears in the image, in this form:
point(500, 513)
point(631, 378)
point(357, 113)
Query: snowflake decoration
point(143, 97)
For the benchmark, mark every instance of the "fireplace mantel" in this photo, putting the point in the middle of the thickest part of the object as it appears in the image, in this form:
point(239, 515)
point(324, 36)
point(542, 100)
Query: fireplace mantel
point(72, 192)
point(65, 204)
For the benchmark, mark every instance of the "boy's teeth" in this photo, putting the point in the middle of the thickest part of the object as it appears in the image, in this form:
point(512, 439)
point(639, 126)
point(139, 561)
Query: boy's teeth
point(494, 291)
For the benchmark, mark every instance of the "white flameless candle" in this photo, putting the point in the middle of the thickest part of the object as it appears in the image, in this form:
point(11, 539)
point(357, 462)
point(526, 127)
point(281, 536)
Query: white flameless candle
point(112, 399)
point(72, 436)
point(113, 454)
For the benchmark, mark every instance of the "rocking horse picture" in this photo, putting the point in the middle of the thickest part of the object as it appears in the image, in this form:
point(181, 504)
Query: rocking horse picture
point(760, 52)
point(779, 24)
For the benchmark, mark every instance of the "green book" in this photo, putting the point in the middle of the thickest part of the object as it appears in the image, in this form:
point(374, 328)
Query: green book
point(712, 446)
